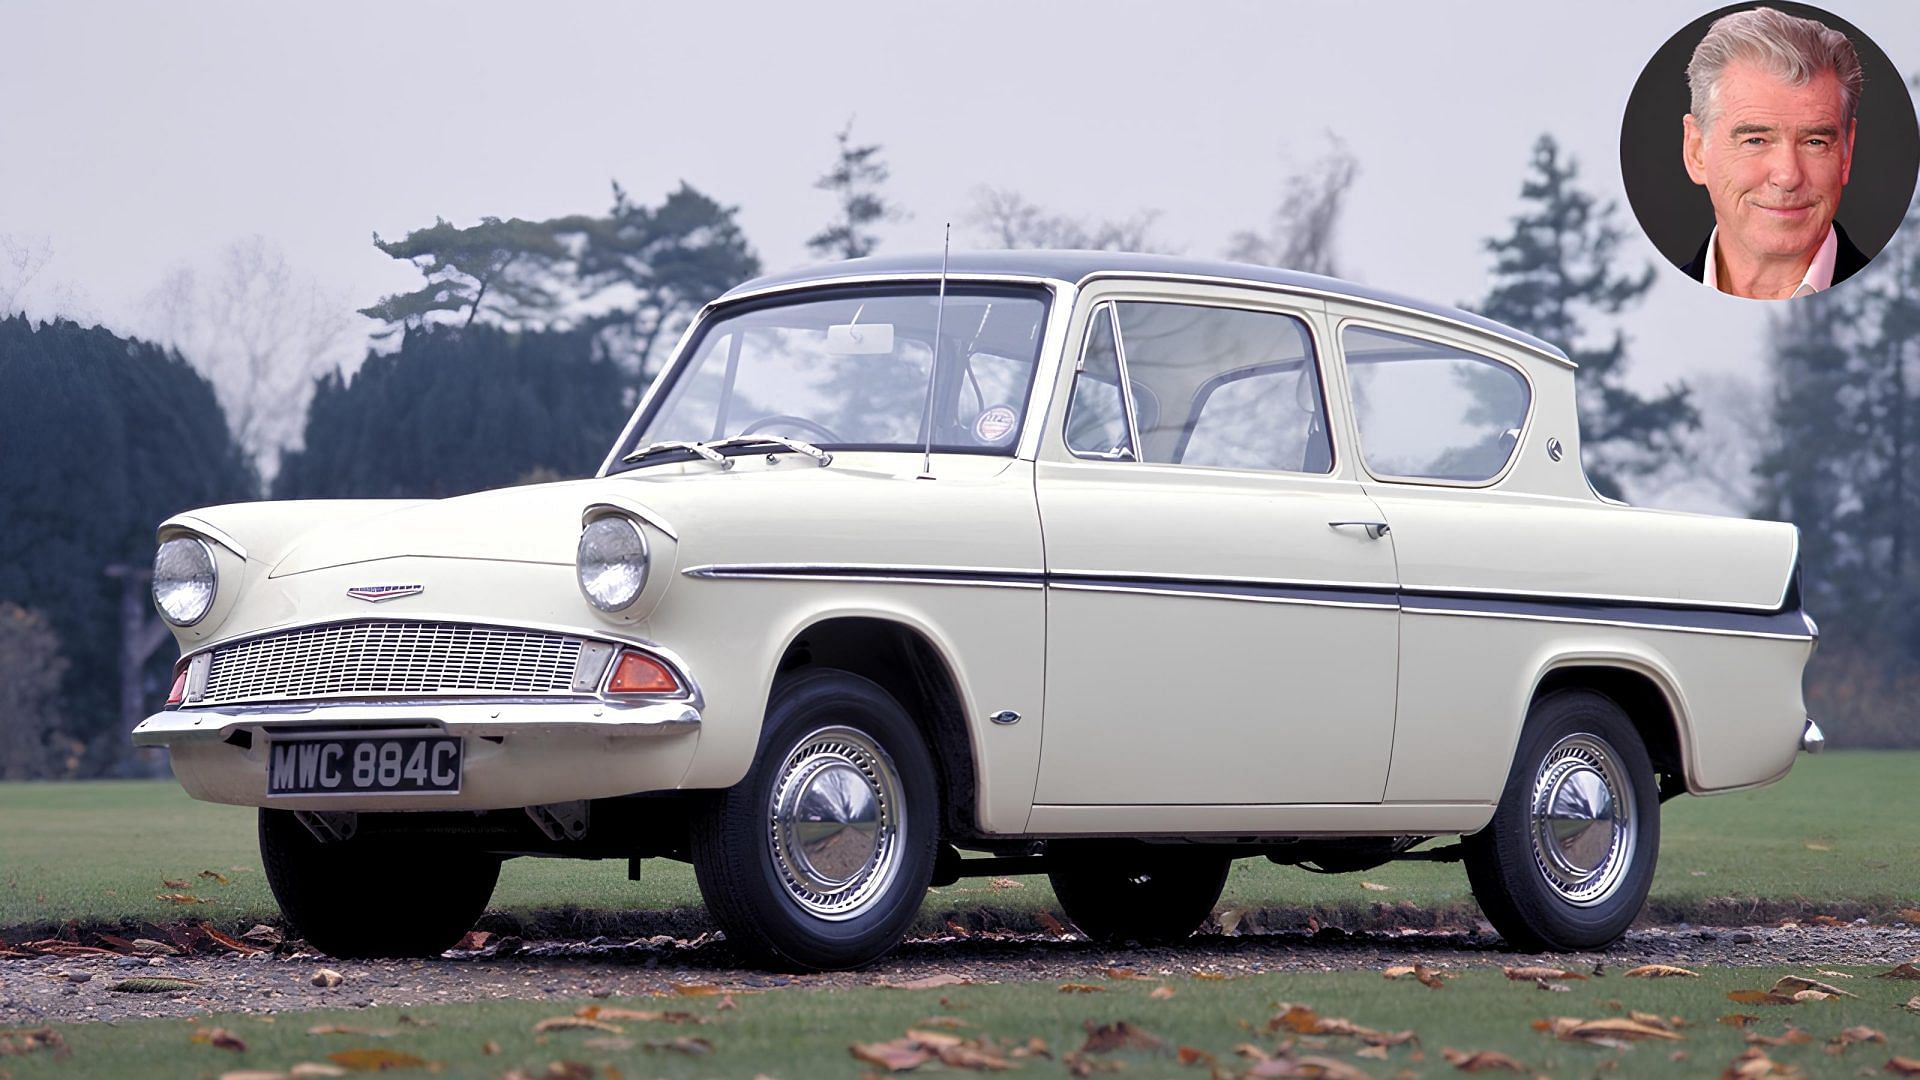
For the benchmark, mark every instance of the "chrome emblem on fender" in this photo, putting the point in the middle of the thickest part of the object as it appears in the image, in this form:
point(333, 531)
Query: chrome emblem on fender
point(375, 594)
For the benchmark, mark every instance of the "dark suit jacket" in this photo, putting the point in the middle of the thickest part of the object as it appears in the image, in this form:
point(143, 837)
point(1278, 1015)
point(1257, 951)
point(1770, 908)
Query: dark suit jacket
point(1846, 260)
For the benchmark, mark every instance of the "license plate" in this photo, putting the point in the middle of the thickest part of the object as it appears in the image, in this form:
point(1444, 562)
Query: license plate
point(385, 765)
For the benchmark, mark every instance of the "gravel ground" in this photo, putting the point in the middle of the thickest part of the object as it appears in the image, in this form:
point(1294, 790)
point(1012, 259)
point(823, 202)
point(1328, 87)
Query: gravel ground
point(76, 988)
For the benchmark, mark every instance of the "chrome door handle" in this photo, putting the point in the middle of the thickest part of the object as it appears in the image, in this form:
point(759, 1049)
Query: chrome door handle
point(1375, 529)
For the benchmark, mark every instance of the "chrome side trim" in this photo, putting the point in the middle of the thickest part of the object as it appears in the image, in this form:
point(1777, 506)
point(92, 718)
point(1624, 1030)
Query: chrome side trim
point(1591, 598)
point(913, 575)
point(1202, 594)
point(1585, 621)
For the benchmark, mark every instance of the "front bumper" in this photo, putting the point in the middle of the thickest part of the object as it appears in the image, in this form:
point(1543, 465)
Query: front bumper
point(518, 752)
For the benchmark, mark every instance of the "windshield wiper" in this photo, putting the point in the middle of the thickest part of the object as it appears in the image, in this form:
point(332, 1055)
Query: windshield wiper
point(701, 449)
point(825, 459)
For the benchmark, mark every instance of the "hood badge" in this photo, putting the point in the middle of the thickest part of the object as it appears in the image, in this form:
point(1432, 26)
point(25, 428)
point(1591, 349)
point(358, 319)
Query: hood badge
point(375, 594)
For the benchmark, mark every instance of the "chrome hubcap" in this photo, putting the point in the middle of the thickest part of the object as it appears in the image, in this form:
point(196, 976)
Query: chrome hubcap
point(834, 821)
point(1583, 820)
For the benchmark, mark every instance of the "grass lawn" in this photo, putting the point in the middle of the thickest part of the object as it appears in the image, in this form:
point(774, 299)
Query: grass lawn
point(806, 1031)
point(1836, 836)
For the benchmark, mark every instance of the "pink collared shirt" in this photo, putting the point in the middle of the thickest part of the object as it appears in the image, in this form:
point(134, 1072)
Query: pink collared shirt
point(1819, 276)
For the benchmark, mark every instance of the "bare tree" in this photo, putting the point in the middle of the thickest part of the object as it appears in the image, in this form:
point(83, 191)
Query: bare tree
point(1714, 473)
point(1009, 220)
point(260, 333)
point(1301, 234)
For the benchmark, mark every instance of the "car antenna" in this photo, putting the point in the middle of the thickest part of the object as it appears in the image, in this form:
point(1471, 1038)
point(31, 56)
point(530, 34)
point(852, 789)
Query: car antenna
point(933, 366)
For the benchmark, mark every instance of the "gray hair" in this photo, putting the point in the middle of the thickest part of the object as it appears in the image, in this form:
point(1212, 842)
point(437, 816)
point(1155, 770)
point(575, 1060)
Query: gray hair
point(1791, 49)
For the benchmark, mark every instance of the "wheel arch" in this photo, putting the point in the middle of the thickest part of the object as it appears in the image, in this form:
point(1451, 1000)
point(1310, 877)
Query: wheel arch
point(1646, 692)
point(906, 661)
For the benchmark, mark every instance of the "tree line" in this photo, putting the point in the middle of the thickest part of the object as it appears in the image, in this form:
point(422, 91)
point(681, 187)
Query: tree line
point(522, 348)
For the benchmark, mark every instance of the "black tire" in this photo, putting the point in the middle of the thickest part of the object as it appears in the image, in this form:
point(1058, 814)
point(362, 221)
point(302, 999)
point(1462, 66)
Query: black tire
point(1559, 881)
point(356, 899)
point(1149, 893)
point(837, 897)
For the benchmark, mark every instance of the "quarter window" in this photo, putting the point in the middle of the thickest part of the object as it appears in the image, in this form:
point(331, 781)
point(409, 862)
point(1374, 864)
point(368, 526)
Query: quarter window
point(1430, 411)
point(1097, 414)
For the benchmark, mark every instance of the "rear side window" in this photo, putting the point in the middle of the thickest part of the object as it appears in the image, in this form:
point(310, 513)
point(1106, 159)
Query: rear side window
point(1428, 411)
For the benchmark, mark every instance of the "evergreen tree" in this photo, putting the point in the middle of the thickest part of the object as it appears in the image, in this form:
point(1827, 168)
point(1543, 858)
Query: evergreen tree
point(105, 438)
point(1551, 276)
point(505, 268)
point(854, 181)
point(458, 410)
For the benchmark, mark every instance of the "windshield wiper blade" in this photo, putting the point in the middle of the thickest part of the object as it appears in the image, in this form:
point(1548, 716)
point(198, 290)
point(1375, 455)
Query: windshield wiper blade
point(825, 459)
point(701, 449)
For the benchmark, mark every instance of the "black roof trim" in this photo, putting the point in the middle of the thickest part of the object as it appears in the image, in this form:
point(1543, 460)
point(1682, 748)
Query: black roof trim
point(1078, 266)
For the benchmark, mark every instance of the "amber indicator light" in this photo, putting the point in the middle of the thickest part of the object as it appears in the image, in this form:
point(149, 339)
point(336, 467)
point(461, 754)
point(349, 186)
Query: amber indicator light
point(637, 673)
point(179, 692)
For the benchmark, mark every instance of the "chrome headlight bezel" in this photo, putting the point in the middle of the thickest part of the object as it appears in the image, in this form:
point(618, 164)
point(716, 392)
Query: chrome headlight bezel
point(169, 581)
point(610, 563)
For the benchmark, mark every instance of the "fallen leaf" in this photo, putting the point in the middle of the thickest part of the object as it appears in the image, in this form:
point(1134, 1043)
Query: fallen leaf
point(1161, 993)
point(1325, 1068)
point(377, 1060)
point(1793, 1036)
point(1081, 988)
point(928, 982)
point(179, 898)
point(1834, 974)
point(254, 1074)
point(725, 1003)
point(669, 1016)
point(1542, 984)
point(1660, 971)
point(1813, 995)
point(1231, 918)
point(1191, 1056)
point(1531, 974)
point(168, 884)
point(1911, 915)
point(568, 1070)
point(1757, 997)
point(1119, 1035)
point(225, 942)
point(344, 1029)
point(474, 941)
point(948, 1022)
point(490, 1048)
point(1006, 883)
point(696, 990)
point(896, 1056)
point(1902, 1066)
point(220, 1038)
point(615, 1044)
point(1372, 1053)
point(1859, 1033)
point(967, 1056)
point(1481, 1061)
point(1903, 971)
point(327, 978)
point(153, 984)
point(1794, 984)
point(308, 1070)
point(1652, 1020)
point(1913, 1004)
point(1210, 976)
point(262, 934)
point(575, 1023)
point(1304, 1021)
point(1814, 845)
point(1739, 1019)
point(150, 947)
point(1051, 924)
point(1615, 1029)
point(215, 876)
point(1753, 1063)
point(1124, 973)
point(1372, 886)
point(1034, 1047)
point(691, 1045)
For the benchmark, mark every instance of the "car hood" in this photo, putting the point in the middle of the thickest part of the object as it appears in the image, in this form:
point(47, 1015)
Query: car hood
point(534, 524)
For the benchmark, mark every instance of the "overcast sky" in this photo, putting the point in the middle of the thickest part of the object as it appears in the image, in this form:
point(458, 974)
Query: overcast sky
point(137, 137)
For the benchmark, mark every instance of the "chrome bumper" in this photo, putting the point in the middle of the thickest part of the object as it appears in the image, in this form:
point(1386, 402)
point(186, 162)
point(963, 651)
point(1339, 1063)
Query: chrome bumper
point(515, 716)
point(519, 753)
point(1811, 739)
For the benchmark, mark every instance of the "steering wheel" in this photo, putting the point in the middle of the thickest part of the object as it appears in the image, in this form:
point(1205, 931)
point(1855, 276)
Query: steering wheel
point(826, 435)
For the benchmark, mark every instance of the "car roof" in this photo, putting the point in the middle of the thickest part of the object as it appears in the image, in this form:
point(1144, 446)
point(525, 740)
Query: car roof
point(1078, 266)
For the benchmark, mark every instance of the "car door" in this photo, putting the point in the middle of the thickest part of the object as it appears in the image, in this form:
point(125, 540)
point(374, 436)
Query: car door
point(1221, 611)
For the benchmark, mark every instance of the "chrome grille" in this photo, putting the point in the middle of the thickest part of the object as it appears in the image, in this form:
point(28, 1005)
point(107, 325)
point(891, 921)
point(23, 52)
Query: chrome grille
point(375, 658)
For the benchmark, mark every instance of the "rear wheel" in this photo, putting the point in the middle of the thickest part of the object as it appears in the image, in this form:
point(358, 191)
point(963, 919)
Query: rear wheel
point(1569, 857)
point(1150, 893)
point(820, 858)
point(360, 898)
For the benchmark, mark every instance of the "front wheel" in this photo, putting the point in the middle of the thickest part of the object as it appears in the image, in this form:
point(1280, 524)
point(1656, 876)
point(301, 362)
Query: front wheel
point(1569, 857)
point(820, 858)
point(1150, 893)
point(365, 898)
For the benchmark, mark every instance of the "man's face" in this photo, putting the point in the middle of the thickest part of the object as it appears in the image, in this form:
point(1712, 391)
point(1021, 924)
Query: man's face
point(1773, 159)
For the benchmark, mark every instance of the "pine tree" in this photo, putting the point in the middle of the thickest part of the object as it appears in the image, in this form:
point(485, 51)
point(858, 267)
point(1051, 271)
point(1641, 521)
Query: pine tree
point(1552, 276)
point(854, 181)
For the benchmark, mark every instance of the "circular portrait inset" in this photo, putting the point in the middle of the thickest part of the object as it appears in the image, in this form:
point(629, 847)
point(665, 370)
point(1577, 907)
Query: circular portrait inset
point(1769, 150)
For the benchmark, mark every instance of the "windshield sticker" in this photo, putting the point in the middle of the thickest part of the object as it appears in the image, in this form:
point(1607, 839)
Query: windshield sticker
point(995, 425)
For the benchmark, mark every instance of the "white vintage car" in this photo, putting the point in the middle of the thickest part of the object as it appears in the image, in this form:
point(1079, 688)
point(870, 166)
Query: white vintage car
point(1112, 567)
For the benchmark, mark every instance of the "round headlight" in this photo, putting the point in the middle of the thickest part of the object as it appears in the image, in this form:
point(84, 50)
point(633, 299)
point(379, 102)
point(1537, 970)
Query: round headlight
point(183, 580)
point(612, 562)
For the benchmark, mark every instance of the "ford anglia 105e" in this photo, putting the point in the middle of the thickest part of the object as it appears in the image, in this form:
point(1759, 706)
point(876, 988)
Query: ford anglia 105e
point(1111, 567)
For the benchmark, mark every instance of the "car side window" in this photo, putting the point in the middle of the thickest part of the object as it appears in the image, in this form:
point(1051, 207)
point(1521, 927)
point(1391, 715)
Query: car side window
point(1429, 411)
point(1097, 411)
point(1224, 387)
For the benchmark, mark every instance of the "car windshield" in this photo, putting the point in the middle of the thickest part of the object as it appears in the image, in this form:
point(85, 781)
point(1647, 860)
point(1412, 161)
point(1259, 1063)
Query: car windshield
point(851, 369)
